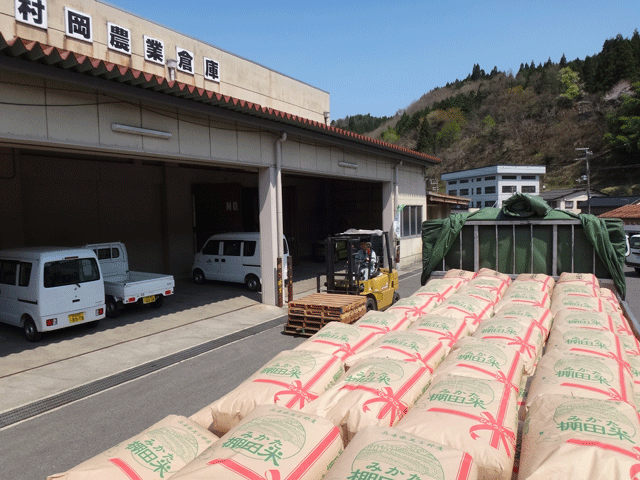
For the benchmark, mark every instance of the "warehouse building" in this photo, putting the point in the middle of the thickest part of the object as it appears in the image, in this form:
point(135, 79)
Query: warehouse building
point(114, 128)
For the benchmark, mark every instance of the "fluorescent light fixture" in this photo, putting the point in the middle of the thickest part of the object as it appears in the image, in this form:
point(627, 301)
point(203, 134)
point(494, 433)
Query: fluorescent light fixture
point(348, 165)
point(117, 127)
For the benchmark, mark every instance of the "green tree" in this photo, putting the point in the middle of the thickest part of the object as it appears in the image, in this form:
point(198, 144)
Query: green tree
point(390, 135)
point(571, 82)
point(623, 126)
point(448, 134)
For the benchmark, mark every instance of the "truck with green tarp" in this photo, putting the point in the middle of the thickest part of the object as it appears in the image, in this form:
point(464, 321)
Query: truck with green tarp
point(526, 236)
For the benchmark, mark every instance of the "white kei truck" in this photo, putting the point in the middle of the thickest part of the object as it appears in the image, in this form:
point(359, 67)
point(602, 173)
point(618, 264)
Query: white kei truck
point(124, 287)
point(48, 288)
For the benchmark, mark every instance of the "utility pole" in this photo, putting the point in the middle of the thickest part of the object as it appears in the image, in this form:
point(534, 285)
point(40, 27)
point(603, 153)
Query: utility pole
point(587, 152)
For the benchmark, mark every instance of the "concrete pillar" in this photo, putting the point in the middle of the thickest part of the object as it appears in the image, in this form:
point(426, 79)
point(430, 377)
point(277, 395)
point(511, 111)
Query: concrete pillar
point(11, 211)
point(388, 206)
point(268, 233)
point(388, 215)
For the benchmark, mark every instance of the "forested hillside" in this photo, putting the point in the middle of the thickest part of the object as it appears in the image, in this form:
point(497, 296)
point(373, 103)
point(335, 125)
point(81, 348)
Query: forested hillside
point(538, 116)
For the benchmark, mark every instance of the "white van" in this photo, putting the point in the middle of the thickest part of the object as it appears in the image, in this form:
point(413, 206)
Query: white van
point(47, 288)
point(233, 257)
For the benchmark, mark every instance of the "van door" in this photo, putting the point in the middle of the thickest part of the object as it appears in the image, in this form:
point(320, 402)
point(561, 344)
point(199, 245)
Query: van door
point(70, 285)
point(210, 261)
point(9, 307)
point(231, 261)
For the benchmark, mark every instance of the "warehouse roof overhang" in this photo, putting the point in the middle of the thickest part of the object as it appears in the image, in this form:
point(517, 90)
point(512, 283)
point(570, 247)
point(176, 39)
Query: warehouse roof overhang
point(433, 198)
point(46, 61)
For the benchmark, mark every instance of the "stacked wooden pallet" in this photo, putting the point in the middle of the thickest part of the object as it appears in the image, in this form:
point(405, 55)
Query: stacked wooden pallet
point(309, 314)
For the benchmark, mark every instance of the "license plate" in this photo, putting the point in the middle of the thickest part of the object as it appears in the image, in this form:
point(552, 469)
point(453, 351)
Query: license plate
point(149, 299)
point(76, 317)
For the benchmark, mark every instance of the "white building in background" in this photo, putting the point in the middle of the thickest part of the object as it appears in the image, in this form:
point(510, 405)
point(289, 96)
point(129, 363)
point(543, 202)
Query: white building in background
point(490, 186)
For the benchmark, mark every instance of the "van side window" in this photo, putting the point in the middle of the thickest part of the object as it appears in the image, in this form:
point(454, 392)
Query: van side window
point(69, 272)
point(249, 248)
point(8, 271)
point(211, 248)
point(25, 274)
point(231, 248)
point(115, 252)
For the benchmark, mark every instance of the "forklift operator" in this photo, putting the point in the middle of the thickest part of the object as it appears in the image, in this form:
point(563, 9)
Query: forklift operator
point(366, 257)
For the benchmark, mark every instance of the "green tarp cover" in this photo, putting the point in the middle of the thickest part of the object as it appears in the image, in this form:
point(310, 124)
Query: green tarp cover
point(605, 235)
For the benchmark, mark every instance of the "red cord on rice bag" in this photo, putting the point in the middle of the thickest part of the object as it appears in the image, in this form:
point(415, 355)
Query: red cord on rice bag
point(339, 339)
point(440, 289)
point(546, 282)
point(477, 416)
point(484, 359)
point(525, 338)
point(375, 391)
point(292, 379)
point(608, 295)
point(493, 284)
point(457, 273)
point(487, 272)
point(270, 443)
point(567, 437)
point(576, 290)
point(409, 309)
point(156, 453)
point(410, 346)
point(526, 314)
point(582, 304)
point(382, 452)
point(456, 282)
point(524, 297)
point(587, 278)
point(383, 322)
point(586, 376)
point(482, 294)
point(470, 309)
point(447, 330)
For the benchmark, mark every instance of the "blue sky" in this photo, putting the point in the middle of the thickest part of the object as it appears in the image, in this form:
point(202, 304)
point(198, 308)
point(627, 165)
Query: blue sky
point(379, 57)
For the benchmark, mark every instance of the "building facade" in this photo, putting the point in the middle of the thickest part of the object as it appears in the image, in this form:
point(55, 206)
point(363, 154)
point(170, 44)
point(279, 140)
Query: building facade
point(490, 186)
point(115, 128)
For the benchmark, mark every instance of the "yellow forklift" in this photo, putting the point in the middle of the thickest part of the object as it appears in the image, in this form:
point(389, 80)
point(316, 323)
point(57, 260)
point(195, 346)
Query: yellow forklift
point(375, 279)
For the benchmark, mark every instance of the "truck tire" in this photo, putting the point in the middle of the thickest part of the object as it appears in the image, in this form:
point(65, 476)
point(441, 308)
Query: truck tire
point(112, 310)
point(198, 277)
point(252, 282)
point(158, 302)
point(30, 330)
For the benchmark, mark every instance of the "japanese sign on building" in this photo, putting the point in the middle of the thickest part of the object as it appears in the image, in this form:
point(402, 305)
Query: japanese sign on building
point(118, 38)
point(185, 60)
point(33, 12)
point(77, 25)
point(153, 50)
point(211, 70)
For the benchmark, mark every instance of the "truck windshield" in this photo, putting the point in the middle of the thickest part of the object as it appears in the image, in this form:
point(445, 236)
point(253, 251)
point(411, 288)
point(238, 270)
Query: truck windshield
point(69, 272)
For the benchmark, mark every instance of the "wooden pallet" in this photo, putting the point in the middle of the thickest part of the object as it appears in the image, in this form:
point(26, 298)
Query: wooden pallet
point(309, 314)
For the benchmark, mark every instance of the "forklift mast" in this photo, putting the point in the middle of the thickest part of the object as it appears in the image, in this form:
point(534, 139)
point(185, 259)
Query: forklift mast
point(348, 281)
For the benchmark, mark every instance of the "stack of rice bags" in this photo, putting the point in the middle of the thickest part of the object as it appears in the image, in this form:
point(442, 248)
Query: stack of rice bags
point(471, 404)
point(582, 420)
point(387, 375)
